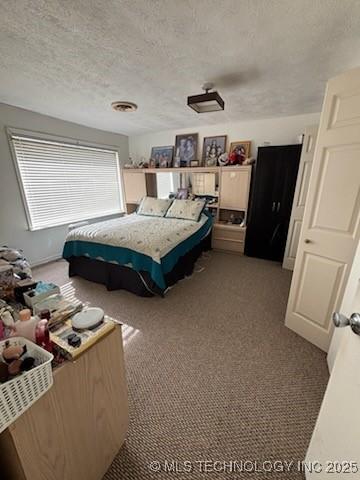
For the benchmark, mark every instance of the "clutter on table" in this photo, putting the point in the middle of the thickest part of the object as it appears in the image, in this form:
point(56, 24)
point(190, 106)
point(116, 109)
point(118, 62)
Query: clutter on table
point(72, 342)
point(39, 328)
point(16, 259)
point(25, 375)
point(37, 311)
point(41, 291)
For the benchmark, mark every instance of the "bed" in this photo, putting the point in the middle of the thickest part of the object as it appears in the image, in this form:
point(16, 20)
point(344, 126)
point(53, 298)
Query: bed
point(142, 254)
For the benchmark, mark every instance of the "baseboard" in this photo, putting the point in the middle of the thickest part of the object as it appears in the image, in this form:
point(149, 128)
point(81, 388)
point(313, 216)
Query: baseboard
point(45, 261)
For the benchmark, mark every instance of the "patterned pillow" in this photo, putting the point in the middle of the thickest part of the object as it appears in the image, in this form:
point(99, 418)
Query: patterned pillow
point(186, 209)
point(155, 207)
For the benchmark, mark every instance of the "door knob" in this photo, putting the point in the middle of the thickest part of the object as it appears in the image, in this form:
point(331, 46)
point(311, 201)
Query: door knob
point(307, 240)
point(341, 320)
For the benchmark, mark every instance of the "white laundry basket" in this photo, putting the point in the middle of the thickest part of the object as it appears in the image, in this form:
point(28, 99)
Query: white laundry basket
point(18, 394)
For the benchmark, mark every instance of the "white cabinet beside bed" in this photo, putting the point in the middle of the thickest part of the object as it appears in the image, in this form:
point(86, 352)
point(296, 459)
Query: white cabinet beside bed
point(134, 189)
point(233, 203)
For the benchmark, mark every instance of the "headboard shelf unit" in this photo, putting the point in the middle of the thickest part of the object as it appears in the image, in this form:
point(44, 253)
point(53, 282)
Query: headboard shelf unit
point(233, 187)
point(176, 170)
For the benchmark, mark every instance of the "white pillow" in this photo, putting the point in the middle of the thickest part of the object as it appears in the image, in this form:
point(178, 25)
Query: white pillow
point(155, 207)
point(186, 209)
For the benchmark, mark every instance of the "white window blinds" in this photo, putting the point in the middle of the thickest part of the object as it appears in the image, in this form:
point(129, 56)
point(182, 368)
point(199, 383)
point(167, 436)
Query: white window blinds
point(64, 183)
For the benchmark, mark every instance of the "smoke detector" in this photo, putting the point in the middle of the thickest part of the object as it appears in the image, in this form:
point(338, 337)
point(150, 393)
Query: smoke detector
point(121, 106)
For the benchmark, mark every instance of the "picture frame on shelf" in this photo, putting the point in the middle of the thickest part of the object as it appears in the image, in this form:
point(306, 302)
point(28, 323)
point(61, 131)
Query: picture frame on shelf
point(213, 147)
point(186, 147)
point(239, 152)
point(162, 156)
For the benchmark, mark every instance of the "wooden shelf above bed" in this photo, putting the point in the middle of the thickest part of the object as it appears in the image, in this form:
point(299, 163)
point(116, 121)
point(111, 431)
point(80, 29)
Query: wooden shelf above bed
point(187, 169)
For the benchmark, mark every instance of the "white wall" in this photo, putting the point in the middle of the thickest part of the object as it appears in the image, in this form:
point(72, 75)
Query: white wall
point(277, 131)
point(41, 245)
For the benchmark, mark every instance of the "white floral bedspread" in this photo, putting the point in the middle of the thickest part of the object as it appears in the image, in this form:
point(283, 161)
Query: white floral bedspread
point(152, 236)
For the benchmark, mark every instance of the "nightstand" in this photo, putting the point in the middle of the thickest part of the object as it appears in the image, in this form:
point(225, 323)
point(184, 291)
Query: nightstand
point(228, 237)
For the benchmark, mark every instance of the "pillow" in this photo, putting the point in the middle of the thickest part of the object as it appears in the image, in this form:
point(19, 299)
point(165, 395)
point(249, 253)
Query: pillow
point(186, 209)
point(155, 207)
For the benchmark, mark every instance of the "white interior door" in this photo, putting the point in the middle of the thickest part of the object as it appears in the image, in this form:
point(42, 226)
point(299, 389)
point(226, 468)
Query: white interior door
point(301, 190)
point(334, 450)
point(330, 231)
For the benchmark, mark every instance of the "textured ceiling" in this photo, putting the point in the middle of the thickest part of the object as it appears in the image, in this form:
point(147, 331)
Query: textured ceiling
point(71, 58)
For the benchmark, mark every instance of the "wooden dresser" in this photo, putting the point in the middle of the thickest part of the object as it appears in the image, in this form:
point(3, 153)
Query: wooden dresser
point(75, 430)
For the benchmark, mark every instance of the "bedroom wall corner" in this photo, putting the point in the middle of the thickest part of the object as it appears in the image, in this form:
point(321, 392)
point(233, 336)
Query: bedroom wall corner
point(276, 130)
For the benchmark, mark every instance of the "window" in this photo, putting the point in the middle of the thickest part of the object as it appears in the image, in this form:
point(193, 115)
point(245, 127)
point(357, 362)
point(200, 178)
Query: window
point(64, 182)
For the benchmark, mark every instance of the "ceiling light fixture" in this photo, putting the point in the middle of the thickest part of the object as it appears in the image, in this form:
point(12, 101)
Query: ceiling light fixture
point(206, 102)
point(121, 106)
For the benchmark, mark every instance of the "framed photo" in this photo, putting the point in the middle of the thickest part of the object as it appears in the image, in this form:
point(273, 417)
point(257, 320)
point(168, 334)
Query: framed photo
point(239, 152)
point(162, 156)
point(212, 149)
point(186, 149)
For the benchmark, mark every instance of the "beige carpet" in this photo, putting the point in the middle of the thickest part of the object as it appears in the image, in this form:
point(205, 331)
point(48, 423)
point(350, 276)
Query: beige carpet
point(213, 373)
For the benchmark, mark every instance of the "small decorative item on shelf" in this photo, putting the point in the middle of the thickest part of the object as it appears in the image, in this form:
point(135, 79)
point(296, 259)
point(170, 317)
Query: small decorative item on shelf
point(239, 152)
point(162, 156)
point(185, 149)
point(194, 163)
point(249, 161)
point(182, 193)
point(130, 164)
point(223, 159)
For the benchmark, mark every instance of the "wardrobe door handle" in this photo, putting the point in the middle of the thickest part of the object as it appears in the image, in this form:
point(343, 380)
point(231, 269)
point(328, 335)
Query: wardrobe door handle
point(278, 207)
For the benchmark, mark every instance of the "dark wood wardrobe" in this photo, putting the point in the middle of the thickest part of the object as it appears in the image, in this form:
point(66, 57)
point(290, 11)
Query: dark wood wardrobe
point(271, 201)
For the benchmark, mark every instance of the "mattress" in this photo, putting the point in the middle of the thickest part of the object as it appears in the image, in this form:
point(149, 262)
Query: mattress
point(143, 243)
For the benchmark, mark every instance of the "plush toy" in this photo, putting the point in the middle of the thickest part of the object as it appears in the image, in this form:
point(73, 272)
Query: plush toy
point(223, 159)
point(237, 156)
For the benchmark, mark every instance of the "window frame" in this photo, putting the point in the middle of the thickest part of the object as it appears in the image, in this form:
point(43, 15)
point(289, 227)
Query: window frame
point(11, 131)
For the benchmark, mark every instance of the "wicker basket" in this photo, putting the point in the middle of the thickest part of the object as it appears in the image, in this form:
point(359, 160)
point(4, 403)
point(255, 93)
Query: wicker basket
point(18, 394)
